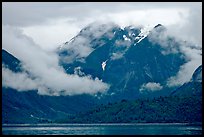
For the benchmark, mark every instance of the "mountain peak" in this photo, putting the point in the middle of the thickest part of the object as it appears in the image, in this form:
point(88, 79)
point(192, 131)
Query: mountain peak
point(197, 75)
point(159, 28)
point(99, 26)
point(158, 25)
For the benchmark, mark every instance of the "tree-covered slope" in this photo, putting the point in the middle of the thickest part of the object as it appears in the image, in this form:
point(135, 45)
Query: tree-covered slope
point(184, 105)
point(171, 109)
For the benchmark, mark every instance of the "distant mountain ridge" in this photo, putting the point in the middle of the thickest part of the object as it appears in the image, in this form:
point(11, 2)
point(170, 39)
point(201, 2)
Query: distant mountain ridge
point(125, 58)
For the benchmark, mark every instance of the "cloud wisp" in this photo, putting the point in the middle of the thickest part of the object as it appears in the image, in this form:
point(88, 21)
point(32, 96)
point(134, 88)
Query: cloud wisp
point(81, 45)
point(151, 86)
point(49, 77)
point(20, 81)
point(171, 44)
point(186, 71)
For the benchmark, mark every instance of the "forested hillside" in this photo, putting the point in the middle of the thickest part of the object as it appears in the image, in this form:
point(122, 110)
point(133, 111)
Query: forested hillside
point(158, 110)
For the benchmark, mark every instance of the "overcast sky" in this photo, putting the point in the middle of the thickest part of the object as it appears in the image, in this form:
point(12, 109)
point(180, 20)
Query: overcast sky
point(31, 31)
point(51, 24)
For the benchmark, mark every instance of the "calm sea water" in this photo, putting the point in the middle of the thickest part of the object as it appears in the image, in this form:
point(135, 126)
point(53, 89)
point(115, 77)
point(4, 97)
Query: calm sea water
point(102, 129)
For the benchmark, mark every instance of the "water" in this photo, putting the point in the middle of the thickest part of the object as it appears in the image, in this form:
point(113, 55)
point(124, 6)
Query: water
point(102, 129)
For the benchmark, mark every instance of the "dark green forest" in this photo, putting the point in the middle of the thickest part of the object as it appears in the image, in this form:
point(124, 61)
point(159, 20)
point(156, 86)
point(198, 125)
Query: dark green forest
point(170, 109)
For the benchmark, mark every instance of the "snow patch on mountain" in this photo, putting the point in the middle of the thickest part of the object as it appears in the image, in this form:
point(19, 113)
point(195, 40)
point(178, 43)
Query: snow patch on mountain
point(143, 33)
point(104, 65)
point(126, 38)
point(122, 27)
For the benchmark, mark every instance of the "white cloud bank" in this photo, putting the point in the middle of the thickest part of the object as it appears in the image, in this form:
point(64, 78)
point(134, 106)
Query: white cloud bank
point(151, 86)
point(49, 77)
point(19, 81)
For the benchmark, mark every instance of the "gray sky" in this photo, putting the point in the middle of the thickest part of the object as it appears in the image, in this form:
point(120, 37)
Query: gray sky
point(51, 24)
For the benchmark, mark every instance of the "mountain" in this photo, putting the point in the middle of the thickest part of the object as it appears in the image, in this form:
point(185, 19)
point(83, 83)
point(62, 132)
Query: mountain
point(10, 61)
point(193, 87)
point(184, 105)
point(30, 107)
point(126, 60)
point(197, 75)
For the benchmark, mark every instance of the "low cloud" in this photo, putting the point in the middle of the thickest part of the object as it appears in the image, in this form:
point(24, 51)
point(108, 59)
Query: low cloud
point(171, 43)
point(186, 71)
point(49, 77)
point(161, 37)
point(20, 81)
point(116, 56)
point(190, 28)
point(151, 86)
point(120, 48)
point(80, 46)
point(122, 43)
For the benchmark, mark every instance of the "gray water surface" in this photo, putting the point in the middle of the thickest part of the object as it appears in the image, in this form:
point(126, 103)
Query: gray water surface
point(102, 129)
